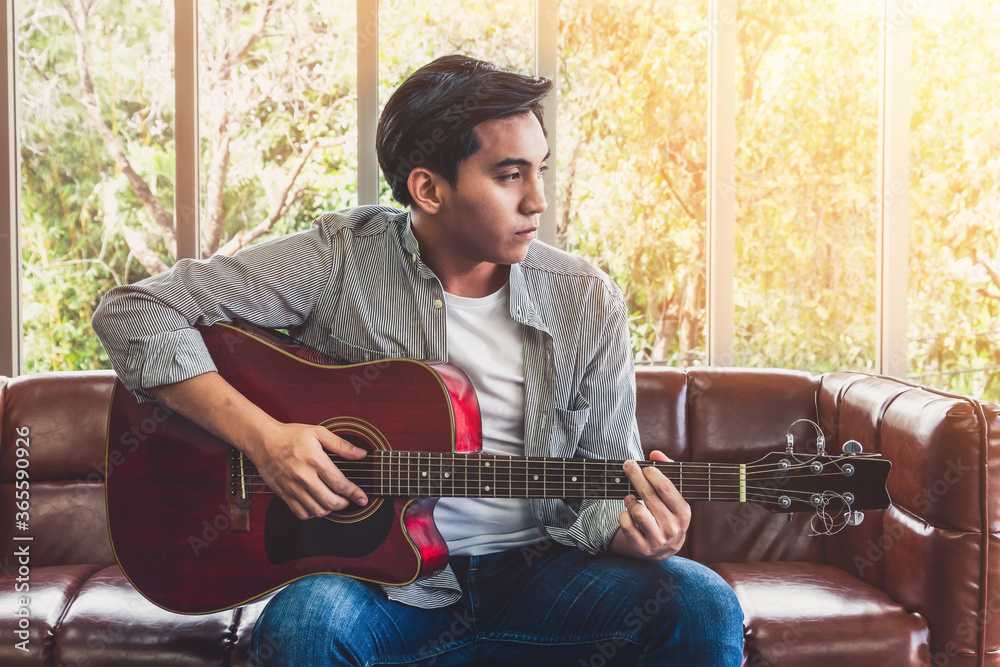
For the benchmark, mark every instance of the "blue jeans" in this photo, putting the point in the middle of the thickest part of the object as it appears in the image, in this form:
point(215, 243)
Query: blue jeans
point(521, 607)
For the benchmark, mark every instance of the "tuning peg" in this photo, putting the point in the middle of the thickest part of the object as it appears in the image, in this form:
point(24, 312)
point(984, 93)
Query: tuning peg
point(852, 448)
point(854, 518)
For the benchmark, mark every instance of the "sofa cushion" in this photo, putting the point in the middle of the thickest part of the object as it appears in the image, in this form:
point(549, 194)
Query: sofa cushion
point(815, 615)
point(739, 416)
point(243, 631)
point(34, 599)
point(109, 623)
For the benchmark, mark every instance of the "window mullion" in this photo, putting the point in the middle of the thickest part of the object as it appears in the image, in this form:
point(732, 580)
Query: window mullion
point(722, 180)
point(892, 235)
point(367, 59)
point(10, 235)
point(547, 64)
point(187, 187)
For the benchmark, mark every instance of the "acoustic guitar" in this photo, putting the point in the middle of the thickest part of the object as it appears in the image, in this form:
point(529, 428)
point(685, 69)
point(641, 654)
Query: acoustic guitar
point(195, 529)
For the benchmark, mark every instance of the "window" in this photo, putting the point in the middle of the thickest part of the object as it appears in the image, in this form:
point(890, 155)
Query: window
point(738, 166)
point(806, 160)
point(633, 161)
point(95, 93)
point(954, 277)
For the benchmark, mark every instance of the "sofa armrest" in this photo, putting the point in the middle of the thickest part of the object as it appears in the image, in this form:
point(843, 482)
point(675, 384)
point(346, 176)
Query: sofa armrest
point(935, 549)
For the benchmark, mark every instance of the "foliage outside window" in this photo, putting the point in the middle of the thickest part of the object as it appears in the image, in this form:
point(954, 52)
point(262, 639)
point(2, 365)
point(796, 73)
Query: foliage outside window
point(954, 304)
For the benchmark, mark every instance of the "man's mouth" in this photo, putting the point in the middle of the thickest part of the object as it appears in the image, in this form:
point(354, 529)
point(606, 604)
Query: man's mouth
point(528, 233)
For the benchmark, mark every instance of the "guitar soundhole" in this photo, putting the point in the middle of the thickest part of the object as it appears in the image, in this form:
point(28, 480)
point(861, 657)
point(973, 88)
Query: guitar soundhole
point(361, 434)
point(286, 538)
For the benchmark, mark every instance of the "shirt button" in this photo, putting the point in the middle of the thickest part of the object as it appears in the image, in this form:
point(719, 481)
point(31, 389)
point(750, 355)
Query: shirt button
point(414, 257)
point(437, 303)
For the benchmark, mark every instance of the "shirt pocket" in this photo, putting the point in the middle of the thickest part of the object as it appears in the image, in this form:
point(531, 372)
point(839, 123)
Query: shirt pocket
point(567, 427)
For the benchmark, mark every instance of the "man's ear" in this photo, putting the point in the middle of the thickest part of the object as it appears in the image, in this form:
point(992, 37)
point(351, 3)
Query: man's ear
point(425, 187)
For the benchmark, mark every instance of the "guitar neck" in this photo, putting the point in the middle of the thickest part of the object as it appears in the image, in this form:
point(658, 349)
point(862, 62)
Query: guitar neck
point(421, 474)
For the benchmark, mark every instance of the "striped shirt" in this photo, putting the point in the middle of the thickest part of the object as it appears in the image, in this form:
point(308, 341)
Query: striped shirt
point(354, 287)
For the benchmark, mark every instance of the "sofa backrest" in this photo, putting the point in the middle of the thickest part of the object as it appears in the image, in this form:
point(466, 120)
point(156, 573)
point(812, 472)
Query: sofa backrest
point(62, 420)
point(731, 415)
point(936, 550)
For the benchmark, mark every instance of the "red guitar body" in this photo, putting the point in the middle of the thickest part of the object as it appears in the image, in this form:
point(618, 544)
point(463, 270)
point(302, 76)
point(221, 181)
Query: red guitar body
point(193, 537)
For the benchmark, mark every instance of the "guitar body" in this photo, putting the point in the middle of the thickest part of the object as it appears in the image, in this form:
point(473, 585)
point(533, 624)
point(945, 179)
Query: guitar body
point(195, 534)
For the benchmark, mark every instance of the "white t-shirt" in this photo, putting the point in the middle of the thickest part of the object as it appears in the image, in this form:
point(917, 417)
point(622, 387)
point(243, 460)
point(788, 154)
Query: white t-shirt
point(484, 341)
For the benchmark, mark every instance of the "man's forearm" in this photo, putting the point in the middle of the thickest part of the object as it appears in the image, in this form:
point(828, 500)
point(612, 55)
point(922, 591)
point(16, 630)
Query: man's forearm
point(211, 402)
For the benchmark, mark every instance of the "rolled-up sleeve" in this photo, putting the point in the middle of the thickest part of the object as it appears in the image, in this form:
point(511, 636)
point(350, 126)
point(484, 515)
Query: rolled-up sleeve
point(147, 327)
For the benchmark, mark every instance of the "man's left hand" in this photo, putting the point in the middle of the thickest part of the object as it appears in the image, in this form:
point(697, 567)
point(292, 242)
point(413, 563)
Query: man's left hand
point(653, 529)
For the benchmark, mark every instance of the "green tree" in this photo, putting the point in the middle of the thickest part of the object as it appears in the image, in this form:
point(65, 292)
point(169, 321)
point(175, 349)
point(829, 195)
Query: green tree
point(96, 85)
point(955, 199)
point(632, 160)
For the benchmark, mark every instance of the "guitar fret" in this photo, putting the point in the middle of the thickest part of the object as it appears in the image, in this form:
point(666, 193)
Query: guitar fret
point(448, 475)
point(527, 478)
point(606, 475)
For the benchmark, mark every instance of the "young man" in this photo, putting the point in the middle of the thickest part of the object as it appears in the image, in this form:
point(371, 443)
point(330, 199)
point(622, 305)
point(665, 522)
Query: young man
point(543, 337)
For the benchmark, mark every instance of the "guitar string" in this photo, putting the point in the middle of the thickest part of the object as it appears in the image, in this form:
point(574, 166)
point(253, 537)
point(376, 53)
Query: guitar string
point(759, 500)
point(723, 492)
point(366, 476)
point(363, 475)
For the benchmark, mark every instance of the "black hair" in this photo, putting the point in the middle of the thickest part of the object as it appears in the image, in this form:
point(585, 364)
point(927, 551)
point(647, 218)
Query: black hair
point(430, 120)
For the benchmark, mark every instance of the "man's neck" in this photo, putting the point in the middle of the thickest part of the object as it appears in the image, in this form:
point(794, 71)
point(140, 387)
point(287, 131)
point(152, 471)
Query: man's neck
point(458, 276)
point(475, 286)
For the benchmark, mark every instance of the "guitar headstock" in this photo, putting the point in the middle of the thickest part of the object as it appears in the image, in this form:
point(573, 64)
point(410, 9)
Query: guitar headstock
point(837, 488)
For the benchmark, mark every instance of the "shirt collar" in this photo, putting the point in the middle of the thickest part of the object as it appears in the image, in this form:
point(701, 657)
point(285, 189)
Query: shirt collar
point(522, 307)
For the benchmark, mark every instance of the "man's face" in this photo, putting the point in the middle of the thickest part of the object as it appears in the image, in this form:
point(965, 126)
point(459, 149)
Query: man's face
point(492, 213)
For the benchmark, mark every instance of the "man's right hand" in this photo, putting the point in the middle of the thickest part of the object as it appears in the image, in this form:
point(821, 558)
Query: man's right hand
point(293, 459)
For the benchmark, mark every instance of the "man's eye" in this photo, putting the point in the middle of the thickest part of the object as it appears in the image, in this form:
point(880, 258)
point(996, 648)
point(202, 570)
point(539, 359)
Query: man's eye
point(511, 177)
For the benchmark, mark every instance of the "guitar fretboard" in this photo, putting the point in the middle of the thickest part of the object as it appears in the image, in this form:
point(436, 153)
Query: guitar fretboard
point(422, 474)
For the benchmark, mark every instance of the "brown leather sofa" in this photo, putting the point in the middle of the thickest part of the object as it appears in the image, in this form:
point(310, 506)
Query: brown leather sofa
point(912, 585)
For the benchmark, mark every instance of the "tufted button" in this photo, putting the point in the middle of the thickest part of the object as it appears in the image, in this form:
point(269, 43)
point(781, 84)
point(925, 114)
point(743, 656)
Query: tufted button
point(438, 303)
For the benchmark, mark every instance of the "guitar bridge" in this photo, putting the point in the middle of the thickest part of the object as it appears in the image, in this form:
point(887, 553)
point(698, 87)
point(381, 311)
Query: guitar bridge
point(237, 494)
